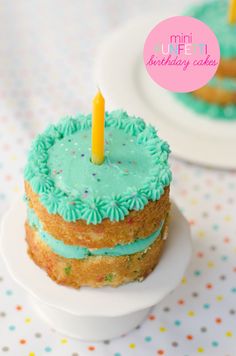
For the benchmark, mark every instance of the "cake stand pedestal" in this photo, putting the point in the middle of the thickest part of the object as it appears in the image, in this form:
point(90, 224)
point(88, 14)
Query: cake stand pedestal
point(87, 313)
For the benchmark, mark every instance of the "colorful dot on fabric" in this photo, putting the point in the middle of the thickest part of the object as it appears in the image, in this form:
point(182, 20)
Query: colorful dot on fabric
point(184, 280)
point(91, 348)
point(148, 338)
point(229, 334)
point(22, 341)
point(160, 352)
point(151, 317)
point(132, 346)
point(201, 233)
point(48, 349)
point(200, 254)
point(191, 313)
point(5, 348)
point(210, 264)
point(177, 322)
point(222, 277)
point(117, 354)
point(200, 349)
point(12, 328)
point(224, 258)
point(162, 329)
point(215, 343)
point(206, 306)
point(215, 227)
point(166, 309)
point(9, 292)
point(228, 218)
point(226, 240)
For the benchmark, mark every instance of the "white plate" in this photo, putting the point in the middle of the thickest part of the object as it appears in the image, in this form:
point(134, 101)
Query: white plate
point(122, 77)
point(105, 301)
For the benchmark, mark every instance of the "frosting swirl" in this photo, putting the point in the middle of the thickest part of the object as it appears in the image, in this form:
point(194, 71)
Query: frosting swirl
point(116, 208)
point(69, 208)
point(41, 183)
point(136, 199)
point(52, 200)
point(93, 211)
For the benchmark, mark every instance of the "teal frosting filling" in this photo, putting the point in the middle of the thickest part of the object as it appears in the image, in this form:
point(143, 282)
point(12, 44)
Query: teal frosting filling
point(77, 252)
point(223, 83)
point(135, 169)
point(215, 15)
point(211, 111)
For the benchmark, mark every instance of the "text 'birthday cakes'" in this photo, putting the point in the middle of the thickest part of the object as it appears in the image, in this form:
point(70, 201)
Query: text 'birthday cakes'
point(217, 98)
point(91, 224)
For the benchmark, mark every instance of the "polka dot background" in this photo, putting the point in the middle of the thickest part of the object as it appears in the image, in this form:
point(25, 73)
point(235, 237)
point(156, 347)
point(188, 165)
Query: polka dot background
point(47, 53)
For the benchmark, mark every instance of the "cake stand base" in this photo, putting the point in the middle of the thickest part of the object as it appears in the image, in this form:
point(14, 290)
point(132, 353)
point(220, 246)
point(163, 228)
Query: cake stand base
point(88, 328)
point(94, 313)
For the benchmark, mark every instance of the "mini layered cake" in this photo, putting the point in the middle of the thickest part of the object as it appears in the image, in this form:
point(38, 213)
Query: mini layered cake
point(218, 98)
point(96, 225)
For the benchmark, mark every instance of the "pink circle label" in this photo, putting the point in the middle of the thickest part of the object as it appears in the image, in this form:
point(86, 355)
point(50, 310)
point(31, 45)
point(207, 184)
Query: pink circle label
point(181, 54)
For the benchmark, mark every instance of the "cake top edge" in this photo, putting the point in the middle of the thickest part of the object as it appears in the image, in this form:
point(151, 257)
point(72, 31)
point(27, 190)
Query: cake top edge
point(135, 169)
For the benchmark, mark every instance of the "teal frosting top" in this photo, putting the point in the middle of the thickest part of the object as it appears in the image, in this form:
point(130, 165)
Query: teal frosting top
point(215, 15)
point(135, 169)
point(77, 252)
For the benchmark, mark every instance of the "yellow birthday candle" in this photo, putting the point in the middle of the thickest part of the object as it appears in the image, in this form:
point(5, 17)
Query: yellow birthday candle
point(98, 126)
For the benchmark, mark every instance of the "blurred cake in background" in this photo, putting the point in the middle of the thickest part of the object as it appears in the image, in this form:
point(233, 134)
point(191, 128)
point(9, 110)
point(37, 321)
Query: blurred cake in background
point(217, 98)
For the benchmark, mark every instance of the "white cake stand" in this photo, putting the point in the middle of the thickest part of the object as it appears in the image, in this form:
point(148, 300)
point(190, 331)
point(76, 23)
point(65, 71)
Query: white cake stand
point(94, 314)
point(125, 83)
